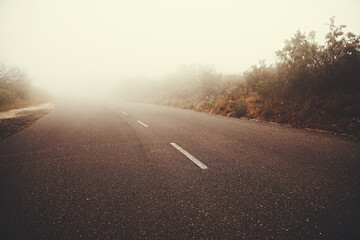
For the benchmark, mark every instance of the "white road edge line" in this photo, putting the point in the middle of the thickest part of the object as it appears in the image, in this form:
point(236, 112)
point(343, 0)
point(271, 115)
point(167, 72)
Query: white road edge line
point(191, 157)
point(142, 123)
point(124, 113)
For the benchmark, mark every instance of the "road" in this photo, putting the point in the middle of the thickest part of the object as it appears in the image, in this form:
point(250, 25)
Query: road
point(121, 170)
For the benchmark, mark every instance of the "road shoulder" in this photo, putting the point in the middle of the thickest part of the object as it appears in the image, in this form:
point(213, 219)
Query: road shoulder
point(16, 120)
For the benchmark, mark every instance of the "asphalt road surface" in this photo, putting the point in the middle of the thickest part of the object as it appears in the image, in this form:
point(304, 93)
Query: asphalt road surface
point(134, 171)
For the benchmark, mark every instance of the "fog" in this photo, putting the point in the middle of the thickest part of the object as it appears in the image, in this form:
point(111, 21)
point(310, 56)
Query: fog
point(87, 46)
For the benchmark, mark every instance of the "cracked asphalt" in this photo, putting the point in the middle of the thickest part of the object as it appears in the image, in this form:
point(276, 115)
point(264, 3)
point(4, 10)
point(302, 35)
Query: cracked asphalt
point(88, 171)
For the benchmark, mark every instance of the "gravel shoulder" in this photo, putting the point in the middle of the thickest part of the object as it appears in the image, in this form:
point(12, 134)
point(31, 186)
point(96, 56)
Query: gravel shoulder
point(15, 120)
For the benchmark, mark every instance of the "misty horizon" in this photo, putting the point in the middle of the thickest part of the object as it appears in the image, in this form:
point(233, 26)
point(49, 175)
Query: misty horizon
point(64, 45)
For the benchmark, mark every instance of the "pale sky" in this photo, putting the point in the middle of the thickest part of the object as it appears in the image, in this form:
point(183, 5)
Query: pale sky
point(69, 43)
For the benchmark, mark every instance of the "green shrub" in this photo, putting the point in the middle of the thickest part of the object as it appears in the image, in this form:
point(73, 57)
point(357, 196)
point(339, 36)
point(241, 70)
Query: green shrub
point(268, 113)
point(260, 108)
point(211, 100)
point(239, 108)
point(6, 97)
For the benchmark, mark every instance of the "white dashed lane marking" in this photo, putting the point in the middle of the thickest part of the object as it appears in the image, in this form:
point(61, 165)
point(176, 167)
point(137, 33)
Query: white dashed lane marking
point(142, 124)
point(191, 157)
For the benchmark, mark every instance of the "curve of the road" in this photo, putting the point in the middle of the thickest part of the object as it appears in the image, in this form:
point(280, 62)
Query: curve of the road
point(120, 170)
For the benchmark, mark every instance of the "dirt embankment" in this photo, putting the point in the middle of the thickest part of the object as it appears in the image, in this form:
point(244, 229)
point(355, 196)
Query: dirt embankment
point(15, 120)
point(318, 114)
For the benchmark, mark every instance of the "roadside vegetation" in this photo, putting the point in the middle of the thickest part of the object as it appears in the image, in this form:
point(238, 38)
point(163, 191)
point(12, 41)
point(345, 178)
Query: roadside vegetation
point(16, 90)
point(311, 85)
